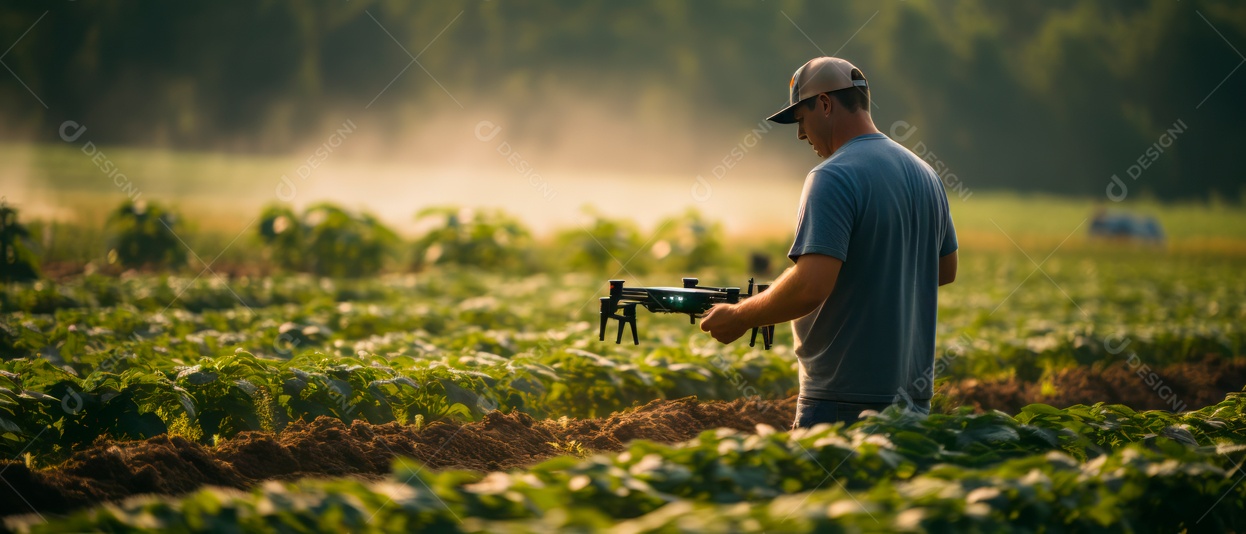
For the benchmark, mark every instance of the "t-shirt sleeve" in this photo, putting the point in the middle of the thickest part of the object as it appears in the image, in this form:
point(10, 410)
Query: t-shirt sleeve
point(828, 212)
point(949, 244)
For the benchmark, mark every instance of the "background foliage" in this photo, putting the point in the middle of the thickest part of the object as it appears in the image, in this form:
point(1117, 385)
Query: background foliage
point(327, 240)
point(1018, 95)
point(17, 261)
point(486, 239)
point(143, 234)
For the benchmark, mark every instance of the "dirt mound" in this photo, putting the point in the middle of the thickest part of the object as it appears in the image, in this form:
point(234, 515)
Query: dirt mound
point(674, 421)
point(163, 464)
point(327, 447)
point(1179, 387)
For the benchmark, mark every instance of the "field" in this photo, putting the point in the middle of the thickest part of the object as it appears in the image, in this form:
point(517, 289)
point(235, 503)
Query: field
point(340, 266)
point(1081, 385)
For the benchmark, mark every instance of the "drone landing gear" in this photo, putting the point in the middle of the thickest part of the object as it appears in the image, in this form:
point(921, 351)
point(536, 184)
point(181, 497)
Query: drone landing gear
point(609, 307)
point(767, 336)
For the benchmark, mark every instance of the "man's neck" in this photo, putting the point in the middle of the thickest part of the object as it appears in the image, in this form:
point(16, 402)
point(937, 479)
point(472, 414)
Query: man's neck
point(857, 126)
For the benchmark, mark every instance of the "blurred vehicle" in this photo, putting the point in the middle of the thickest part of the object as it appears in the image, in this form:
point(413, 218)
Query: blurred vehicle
point(1125, 226)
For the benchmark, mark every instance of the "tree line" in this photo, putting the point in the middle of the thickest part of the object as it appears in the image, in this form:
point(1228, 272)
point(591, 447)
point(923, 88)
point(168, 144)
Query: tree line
point(1058, 96)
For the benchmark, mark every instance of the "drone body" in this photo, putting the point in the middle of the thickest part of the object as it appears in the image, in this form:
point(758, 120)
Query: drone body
point(691, 299)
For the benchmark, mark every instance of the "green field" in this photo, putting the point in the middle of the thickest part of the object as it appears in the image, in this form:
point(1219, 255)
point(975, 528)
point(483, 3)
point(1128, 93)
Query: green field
point(480, 316)
point(302, 267)
point(132, 355)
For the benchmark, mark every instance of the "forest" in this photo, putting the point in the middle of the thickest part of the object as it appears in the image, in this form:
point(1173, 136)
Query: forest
point(1057, 96)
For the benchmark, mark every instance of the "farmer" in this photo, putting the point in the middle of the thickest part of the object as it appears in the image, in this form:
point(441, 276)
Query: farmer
point(874, 240)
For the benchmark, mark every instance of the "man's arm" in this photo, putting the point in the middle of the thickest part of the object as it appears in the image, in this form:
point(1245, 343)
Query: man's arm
point(797, 292)
point(947, 269)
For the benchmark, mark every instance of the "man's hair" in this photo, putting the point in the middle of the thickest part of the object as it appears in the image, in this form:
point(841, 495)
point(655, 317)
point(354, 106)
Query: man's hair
point(851, 98)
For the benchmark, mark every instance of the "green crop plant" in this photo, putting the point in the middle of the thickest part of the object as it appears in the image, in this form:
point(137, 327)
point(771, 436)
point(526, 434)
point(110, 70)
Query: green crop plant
point(144, 234)
point(689, 243)
point(18, 261)
point(895, 471)
point(327, 240)
point(136, 356)
point(477, 238)
point(603, 245)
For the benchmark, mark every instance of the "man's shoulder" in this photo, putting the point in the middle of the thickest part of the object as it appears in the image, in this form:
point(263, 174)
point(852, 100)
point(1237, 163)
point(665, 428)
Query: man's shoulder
point(830, 173)
point(858, 156)
point(871, 155)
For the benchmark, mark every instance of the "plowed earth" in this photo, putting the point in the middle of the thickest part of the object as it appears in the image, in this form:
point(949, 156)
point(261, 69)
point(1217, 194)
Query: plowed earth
point(329, 448)
point(1179, 387)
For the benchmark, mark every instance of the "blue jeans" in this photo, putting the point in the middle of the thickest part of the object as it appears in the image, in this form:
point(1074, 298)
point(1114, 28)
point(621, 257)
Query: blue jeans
point(810, 412)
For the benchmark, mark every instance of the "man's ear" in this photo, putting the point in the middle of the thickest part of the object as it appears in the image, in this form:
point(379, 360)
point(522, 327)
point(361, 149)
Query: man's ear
point(827, 102)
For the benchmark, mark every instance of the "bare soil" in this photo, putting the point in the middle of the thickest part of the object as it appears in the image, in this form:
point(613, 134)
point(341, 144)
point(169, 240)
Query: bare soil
point(329, 448)
point(1179, 387)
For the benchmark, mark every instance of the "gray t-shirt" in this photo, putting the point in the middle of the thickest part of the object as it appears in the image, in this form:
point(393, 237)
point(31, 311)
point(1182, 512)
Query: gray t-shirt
point(882, 210)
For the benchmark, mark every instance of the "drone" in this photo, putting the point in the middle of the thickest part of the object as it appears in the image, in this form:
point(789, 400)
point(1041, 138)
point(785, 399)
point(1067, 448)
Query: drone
point(691, 299)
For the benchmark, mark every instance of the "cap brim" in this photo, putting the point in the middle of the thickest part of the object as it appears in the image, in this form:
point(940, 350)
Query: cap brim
point(786, 115)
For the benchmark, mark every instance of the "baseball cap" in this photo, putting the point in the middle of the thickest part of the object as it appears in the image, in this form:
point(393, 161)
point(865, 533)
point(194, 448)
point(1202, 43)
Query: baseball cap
point(819, 75)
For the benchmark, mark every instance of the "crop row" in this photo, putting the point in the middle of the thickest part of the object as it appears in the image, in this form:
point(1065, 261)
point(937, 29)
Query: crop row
point(202, 358)
point(327, 240)
point(49, 412)
point(1087, 468)
point(1082, 322)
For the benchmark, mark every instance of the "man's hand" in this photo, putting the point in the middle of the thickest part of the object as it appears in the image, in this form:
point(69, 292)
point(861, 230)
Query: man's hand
point(797, 292)
point(722, 323)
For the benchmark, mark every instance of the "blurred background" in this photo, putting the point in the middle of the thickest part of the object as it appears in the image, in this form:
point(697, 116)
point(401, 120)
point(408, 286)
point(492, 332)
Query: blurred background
point(567, 116)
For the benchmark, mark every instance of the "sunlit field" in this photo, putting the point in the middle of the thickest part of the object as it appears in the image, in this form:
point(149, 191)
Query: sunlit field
point(1046, 332)
point(219, 197)
point(378, 266)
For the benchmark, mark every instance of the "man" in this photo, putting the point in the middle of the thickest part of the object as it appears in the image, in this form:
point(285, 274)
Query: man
point(874, 240)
